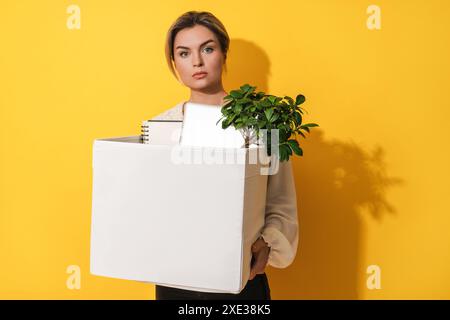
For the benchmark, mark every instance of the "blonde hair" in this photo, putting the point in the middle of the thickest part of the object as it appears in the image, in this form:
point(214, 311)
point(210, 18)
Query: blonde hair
point(190, 19)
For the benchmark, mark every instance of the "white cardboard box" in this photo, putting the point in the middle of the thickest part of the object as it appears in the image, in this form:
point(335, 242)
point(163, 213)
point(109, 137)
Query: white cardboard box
point(169, 223)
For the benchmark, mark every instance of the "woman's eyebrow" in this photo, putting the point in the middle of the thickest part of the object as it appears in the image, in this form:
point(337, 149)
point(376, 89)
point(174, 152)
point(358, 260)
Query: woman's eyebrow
point(207, 41)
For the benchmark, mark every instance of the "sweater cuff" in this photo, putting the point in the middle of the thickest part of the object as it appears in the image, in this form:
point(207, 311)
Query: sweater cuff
point(281, 253)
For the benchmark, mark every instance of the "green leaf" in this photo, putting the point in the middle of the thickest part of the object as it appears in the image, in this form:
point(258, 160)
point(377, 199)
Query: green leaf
point(246, 87)
point(282, 135)
point(310, 125)
point(289, 99)
point(300, 99)
point(227, 102)
point(295, 147)
point(268, 113)
point(289, 150)
point(283, 152)
point(298, 118)
point(286, 151)
point(225, 124)
point(274, 117)
point(245, 100)
point(272, 99)
point(265, 103)
point(283, 105)
point(236, 94)
point(232, 118)
point(259, 95)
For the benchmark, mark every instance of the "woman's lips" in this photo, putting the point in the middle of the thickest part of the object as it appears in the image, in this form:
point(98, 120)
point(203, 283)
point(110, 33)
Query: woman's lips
point(200, 75)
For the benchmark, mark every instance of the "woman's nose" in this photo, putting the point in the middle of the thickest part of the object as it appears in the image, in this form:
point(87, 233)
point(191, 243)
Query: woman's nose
point(197, 60)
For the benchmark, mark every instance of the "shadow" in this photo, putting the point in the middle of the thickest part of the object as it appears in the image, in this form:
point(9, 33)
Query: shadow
point(339, 185)
point(246, 63)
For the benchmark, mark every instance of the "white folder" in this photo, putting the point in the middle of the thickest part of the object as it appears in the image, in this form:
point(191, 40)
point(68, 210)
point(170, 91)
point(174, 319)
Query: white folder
point(200, 128)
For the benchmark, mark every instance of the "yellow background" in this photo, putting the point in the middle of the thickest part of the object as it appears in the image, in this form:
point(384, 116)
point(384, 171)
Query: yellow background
point(372, 184)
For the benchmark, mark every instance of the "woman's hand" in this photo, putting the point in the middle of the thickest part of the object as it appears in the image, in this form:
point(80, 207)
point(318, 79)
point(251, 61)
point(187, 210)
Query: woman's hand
point(260, 251)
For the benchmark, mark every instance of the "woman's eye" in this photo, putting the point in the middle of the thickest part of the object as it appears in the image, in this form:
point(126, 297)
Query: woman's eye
point(183, 52)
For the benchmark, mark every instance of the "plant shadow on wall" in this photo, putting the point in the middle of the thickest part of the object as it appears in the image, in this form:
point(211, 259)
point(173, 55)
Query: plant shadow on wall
point(334, 182)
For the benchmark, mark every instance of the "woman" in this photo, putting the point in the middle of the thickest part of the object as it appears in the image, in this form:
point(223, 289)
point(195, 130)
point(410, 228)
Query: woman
point(196, 47)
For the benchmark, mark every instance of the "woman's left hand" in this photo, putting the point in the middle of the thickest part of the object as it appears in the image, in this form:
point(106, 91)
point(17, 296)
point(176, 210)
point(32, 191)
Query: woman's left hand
point(260, 251)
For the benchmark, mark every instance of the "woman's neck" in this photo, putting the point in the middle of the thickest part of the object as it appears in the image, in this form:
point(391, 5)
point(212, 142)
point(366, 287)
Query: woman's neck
point(215, 98)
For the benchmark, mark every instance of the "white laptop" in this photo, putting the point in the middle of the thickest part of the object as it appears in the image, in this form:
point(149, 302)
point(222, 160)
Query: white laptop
point(200, 128)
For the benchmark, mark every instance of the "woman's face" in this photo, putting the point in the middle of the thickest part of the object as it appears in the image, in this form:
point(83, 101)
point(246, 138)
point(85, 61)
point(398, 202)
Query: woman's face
point(197, 49)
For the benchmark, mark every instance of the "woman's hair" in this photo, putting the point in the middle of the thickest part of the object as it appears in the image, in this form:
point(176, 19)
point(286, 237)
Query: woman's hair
point(190, 19)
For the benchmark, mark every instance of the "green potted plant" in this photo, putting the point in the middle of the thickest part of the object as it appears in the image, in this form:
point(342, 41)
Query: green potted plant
point(250, 112)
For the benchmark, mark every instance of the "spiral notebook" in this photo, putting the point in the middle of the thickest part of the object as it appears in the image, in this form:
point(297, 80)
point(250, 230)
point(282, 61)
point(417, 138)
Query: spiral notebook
point(167, 132)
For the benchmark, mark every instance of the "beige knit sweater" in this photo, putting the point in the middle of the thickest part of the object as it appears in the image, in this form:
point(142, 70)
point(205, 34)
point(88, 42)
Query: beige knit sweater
point(281, 231)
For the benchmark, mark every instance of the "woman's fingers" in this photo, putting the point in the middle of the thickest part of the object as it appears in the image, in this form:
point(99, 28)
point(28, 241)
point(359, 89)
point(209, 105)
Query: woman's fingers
point(259, 264)
point(258, 245)
point(260, 256)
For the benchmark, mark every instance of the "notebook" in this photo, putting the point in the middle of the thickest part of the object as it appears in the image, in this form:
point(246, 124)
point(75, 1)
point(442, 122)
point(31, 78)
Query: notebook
point(200, 128)
point(165, 132)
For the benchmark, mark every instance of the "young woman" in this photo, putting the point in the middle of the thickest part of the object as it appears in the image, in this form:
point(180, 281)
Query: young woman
point(196, 47)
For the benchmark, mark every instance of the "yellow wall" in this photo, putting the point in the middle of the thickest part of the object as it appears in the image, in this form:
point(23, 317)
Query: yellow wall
point(372, 184)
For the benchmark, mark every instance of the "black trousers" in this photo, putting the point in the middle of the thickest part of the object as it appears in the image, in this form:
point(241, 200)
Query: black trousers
point(255, 289)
